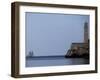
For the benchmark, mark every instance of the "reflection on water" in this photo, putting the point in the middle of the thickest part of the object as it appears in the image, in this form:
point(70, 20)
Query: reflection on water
point(54, 61)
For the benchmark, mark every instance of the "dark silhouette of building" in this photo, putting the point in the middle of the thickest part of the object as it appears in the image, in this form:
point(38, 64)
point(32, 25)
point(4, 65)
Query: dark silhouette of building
point(31, 54)
point(80, 49)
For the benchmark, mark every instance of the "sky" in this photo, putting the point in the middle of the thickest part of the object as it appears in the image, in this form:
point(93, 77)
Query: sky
point(51, 34)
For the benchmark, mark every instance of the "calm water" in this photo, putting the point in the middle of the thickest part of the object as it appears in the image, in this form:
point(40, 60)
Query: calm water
point(54, 61)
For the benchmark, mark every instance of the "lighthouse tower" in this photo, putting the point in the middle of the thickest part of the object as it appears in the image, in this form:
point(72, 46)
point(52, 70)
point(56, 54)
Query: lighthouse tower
point(86, 35)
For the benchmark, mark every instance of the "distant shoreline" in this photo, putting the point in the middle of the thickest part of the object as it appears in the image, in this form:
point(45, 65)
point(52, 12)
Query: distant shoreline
point(44, 56)
point(62, 56)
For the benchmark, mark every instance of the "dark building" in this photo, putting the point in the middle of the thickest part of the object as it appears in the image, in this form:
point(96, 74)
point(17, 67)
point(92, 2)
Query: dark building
point(80, 49)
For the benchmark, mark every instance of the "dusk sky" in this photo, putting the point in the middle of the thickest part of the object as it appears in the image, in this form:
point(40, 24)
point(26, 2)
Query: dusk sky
point(52, 34)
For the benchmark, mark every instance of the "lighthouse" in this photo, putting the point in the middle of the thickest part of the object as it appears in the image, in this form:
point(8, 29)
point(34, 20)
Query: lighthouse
point(86, 32)
point(78, 49)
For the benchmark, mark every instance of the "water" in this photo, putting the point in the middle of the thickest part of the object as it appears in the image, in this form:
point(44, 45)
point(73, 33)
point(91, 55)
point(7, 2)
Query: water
point(54, 61)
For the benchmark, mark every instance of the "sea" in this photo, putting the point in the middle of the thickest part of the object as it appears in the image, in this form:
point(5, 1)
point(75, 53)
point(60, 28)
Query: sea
point(54, 61)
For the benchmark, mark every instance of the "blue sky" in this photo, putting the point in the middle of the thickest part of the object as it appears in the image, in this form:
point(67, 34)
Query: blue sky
point(52, 34)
